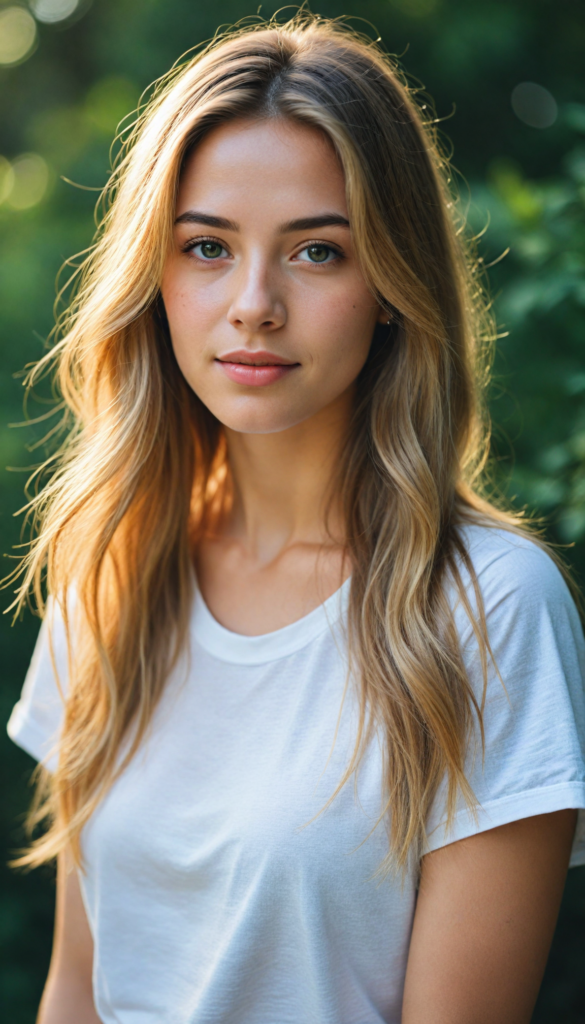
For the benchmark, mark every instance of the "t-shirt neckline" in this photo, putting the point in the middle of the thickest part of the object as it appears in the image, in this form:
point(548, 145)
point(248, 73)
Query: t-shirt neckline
point(254, 650)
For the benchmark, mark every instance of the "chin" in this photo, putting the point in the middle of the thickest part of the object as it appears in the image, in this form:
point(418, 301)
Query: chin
point(258, 420)
point(258, 424)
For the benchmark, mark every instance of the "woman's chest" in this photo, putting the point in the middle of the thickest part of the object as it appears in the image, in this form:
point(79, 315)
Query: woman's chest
point(239, 766)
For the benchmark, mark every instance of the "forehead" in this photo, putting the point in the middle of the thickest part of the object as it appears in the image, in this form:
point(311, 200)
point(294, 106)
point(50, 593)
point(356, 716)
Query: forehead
point(263, 167)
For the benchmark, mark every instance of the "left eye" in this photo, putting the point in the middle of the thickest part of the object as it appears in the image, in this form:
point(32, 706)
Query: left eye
point(317, 254)
point(209, 250)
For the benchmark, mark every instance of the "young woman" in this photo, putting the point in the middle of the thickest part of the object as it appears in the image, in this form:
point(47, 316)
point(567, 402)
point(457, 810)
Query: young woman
point(310, 708)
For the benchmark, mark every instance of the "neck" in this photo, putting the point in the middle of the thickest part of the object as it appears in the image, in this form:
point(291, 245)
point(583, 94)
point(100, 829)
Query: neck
point(282, 483)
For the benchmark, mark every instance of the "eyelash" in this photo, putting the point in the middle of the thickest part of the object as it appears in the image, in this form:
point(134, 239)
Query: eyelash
point(337, 252)
point(202, 239)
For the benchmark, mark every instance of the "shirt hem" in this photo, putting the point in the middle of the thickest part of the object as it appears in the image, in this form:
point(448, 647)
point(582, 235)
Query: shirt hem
point(30, 737)
point(544, 800)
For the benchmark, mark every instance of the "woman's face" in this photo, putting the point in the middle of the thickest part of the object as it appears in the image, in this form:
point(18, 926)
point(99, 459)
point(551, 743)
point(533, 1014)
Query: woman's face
point(270, 318)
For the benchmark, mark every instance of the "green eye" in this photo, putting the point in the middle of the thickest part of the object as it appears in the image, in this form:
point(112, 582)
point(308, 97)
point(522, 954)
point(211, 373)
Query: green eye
point(318, 253)
point(210, 250)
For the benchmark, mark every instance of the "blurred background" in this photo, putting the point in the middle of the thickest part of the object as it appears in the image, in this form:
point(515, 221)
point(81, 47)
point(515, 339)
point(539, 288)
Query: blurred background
point(507, 77)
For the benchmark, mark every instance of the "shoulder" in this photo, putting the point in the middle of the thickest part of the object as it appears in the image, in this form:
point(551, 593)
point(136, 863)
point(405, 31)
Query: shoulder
point(494, 550)
point(529, 611)
point(509, 564)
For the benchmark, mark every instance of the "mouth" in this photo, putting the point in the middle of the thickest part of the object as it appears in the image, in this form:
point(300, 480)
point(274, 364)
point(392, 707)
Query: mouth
point(255, 369)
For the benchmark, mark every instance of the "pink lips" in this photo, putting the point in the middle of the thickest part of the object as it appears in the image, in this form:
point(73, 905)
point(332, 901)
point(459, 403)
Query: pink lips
point(255, 369)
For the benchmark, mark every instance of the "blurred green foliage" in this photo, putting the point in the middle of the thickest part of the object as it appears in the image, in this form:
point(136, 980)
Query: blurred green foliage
point(525, 187)
point(540, 289)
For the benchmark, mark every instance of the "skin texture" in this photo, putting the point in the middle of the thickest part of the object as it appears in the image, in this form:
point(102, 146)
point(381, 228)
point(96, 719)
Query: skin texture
point(487, 905)
point(264, 294)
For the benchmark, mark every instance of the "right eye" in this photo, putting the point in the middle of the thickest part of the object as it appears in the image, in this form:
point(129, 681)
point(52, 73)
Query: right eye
point(209, 251)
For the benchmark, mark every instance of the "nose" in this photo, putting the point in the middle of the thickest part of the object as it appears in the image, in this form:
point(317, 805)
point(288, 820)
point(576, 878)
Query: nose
point(257, 305)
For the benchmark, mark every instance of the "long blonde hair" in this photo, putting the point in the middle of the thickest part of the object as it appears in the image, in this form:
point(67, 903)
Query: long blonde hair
point(130, 488)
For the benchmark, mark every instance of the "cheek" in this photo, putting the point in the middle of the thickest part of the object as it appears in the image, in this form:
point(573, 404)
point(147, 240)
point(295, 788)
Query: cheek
point(190, 316)
point(194, 315)
point(176, 299)
point(341, 329)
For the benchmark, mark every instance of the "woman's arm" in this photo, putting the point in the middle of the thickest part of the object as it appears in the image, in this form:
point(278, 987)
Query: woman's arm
point(68, 997)
point(484, 921)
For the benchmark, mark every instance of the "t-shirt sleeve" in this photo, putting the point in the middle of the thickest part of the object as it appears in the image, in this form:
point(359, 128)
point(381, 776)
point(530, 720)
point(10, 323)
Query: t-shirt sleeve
point(534, 715)
point(36, 720)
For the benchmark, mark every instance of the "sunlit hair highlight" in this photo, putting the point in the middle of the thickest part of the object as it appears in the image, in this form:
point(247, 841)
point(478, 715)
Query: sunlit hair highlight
point(132, 487)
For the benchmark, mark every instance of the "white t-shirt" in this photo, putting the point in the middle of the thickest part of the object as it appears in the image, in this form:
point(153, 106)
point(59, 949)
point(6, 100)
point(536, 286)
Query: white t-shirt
point(214, 894)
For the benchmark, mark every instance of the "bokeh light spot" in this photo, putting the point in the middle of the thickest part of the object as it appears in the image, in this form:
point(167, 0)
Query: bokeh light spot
point(18, 33)
point(416, 8)
point(51, 11)
point(6, 178)
point(534, 105)
point(31, 177)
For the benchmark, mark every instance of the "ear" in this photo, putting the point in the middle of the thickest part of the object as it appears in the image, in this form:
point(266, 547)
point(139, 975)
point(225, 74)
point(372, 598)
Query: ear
point(384, 317)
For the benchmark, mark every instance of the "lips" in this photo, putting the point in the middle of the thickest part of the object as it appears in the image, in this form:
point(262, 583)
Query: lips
point(255, 369)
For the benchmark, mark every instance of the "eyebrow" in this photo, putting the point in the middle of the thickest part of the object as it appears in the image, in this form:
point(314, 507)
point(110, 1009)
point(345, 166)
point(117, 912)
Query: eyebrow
point(323, 220)
point(194, 217)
